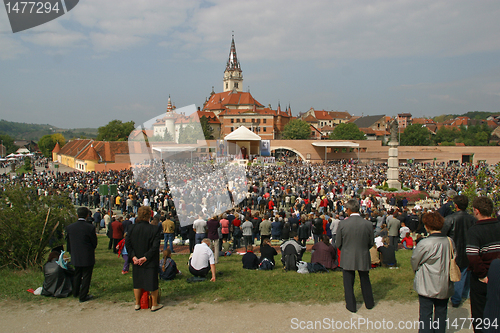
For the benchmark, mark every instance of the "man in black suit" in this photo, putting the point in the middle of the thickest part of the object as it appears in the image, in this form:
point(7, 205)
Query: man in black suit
point(354, 239)
point(81, 243)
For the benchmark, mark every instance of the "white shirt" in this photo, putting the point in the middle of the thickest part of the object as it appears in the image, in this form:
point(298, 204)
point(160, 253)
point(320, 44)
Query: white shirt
point(200, 225)
point(202, 257)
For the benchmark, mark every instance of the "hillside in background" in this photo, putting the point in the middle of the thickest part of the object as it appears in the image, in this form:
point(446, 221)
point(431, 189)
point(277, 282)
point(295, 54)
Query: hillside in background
point(24, 131)
point(479, 115)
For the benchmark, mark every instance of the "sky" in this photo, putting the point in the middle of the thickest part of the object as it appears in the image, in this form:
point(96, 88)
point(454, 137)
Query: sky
point(107, 60)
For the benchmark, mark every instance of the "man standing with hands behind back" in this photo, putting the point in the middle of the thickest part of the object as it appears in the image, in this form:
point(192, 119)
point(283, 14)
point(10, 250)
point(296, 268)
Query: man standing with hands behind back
point(81, 243)
point(354, 239)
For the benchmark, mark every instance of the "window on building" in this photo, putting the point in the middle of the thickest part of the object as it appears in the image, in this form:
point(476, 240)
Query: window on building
point(203, 150)
point(264, 120)
point(227, 85)
point(243, 120)
point(264, 129)
point(237, 120)
point(232, 129)
point(232, 121)
point(236, 84)
point(308, 156)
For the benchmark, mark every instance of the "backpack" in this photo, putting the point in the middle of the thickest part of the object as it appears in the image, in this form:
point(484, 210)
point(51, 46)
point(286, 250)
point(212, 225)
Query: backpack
point(316, 267)
point(237, 232)
point(103, 225)
point(302, 268)
point(290, 258)
point(266, 265)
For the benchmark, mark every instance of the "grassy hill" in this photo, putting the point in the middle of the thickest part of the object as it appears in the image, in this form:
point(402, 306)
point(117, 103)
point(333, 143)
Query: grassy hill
point(479, 115)
point(24, 131)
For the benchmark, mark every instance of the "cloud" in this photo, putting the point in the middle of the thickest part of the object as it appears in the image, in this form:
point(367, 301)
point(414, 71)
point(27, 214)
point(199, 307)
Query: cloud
point(447, 98)
point(319, 30)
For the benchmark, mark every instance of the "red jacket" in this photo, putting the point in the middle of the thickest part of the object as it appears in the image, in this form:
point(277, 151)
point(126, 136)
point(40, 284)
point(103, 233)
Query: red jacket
point(117, 227)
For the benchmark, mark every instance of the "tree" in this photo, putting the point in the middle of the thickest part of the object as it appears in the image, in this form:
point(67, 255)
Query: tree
point(160, 138)
point(115, 130)
point(415, 135)
point(446, 136)
point(207, 129)
point(297, 130)
point(348, 131)
point(48, 142)
point(8, 143)
point(190, 134)
point(25, 239)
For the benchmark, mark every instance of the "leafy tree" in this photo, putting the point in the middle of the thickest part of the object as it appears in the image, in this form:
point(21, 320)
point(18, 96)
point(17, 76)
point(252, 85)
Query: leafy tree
point(446, 135)
point(115, 130)
point(478, 135)
point(165, 137)
point(190, 134)
point(347, 131)
point(48, 142)
point(297, 130)
point(8, 143)
point(415, 135)
point(207, 129)
point(25, 239)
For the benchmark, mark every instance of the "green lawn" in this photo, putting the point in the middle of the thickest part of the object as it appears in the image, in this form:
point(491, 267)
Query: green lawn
point(235, 284)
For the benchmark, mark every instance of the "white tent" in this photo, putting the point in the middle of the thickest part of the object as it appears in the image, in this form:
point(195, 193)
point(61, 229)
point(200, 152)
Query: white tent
point(242, 134)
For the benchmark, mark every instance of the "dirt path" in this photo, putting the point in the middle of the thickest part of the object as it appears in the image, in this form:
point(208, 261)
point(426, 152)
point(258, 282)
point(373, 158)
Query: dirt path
point(68, 315)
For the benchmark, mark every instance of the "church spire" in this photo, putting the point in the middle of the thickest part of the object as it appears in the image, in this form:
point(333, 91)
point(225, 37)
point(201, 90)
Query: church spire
point(232, 62)
point(233, 78)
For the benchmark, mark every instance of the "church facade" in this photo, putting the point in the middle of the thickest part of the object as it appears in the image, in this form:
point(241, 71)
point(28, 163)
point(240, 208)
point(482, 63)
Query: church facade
point(227, 110)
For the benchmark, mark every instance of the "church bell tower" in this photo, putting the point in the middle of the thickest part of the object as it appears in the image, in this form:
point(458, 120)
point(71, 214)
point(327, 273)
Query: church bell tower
point(233, 77)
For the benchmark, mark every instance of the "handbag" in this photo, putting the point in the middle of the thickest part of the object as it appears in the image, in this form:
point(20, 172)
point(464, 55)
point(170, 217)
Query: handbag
point(455, 274)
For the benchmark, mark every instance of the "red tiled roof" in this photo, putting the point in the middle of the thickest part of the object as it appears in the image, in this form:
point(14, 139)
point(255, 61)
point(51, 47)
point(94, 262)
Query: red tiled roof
point(310, 119)
point(57, 148)
point(422, 121)
point(221, 100)
point(339, 114)
point(322, 115)
point(212, 119)
point(74, 147)
point(105, 150)
point(89, 154)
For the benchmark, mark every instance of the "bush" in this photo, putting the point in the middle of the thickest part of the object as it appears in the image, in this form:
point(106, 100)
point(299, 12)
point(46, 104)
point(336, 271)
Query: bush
point(392, 189)
point(29, 224)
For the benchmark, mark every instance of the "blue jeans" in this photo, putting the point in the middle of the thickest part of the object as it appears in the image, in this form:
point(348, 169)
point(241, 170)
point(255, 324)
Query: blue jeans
point(198, 238)
point(167, 238)
point(462, 287)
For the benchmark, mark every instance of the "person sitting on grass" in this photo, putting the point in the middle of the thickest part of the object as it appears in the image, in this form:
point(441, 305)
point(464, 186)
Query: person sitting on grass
point(324, 253)
point(249, 259)
point(267, 253)
point(407, 242)
point(291, 252)
point(388, 254)
point(168, 267)
point(202, 260)
point(226, 248)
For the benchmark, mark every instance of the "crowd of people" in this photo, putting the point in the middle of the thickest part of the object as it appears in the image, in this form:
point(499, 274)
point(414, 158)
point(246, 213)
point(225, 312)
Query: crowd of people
point(289, 204)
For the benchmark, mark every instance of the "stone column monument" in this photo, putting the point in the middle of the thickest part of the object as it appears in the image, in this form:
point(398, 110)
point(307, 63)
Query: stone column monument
point(393, 160)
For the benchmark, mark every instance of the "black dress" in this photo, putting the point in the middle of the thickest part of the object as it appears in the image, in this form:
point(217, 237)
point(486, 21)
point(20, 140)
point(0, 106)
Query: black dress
point(143, 240)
